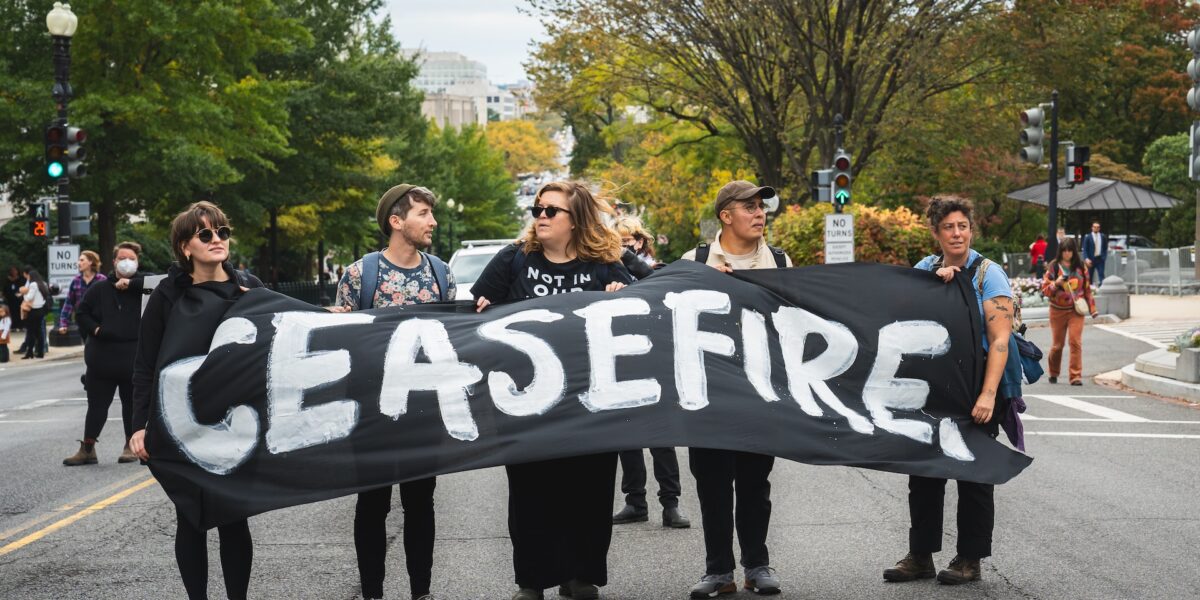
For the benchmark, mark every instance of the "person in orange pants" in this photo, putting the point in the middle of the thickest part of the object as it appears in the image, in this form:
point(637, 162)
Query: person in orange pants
point(1065, 282)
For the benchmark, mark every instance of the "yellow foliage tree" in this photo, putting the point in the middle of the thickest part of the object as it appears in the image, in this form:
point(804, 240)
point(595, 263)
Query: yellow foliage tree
point(525, 149)
point(891, 236)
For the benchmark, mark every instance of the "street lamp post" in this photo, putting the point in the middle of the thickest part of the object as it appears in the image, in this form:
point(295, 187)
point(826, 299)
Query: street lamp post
point(454, 208)
point(62, 23)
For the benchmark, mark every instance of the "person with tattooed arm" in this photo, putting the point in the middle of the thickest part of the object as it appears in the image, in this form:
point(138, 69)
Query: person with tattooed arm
point(952, 225)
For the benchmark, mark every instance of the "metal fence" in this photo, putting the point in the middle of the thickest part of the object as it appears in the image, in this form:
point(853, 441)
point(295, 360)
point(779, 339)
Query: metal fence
point(1155, 270)
point(306, 291)
point(1145, 270)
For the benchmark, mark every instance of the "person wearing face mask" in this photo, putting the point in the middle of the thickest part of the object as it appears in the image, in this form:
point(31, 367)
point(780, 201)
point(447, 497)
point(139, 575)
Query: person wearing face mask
point(109, 314)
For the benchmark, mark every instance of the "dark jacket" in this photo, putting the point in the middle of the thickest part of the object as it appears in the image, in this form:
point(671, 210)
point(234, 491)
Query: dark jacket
point(160, 309)
point(117, 314)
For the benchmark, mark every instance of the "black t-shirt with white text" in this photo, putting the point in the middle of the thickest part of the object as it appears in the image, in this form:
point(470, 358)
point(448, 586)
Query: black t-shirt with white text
point(502, 280)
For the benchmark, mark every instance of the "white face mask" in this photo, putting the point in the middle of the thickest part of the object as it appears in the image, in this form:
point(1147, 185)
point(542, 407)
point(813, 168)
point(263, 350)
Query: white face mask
point(126, 267)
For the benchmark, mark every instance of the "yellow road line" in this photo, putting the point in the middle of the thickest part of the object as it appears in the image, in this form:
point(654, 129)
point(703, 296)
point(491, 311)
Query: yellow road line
point(108, 489)
point(97, 507)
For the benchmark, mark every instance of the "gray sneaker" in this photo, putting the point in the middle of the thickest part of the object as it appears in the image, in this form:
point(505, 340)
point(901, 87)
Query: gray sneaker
point(711, 586)
point(762, 580)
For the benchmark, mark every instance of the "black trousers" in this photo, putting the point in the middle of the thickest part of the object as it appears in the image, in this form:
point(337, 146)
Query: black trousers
point(3, 353)
point(100, 392)
point(666, 472)
point(191, 554)
point(976, 516)
point(560, 519)
point(35, 332)
point(370, 535)
point(720, 476)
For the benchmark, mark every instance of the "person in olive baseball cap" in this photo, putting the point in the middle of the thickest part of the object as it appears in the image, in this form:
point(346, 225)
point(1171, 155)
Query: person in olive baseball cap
point(740, 190)
point(387, 201)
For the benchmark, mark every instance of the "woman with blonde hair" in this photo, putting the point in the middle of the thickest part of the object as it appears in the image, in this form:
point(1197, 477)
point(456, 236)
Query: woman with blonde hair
point(89, 273)
point(567, 248)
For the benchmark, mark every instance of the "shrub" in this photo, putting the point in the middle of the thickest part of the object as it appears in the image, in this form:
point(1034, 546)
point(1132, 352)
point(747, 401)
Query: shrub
point(892, 236)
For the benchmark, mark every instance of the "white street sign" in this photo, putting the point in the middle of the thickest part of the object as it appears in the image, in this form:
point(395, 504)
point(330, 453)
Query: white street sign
point(63, 260)
point(839, 238)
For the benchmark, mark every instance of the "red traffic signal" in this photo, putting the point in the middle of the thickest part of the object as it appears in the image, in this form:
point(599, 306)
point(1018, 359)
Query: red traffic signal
point(1080, 173)
point(842, 163)
point(38, 228)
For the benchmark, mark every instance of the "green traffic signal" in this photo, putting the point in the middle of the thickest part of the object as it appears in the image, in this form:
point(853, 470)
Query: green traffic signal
point(54, 169)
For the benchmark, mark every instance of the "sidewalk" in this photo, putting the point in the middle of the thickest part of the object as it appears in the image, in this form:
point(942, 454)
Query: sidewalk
point(1156, 320)
point(53, 353)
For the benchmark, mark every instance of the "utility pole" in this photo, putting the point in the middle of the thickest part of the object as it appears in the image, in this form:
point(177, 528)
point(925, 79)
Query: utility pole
point(1052, 214)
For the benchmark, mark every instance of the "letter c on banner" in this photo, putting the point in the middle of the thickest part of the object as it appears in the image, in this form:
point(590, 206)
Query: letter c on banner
point(218, 448)
point(549, 380)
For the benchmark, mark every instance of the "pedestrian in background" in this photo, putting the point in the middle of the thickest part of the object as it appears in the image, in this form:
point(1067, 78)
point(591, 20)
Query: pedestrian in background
point(1066, 284)
point(109, 316)
point(559, 540)
point(12, 296)
point(5, 332)
point(401, 274)
point(636, 239)
point(37, 298)
point(200, 242)
point(952, 223)
point(1037, 255)
point(89, 272)
point(723, 475)
point(1095, 252)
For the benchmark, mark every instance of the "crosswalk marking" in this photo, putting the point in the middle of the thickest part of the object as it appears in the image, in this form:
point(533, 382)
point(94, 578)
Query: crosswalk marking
point(1105, 412)
point(1159, 334)
point(1161, 436)
point(1028, 417)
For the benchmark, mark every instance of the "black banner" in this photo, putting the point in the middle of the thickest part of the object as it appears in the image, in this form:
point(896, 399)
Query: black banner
point(856, 364)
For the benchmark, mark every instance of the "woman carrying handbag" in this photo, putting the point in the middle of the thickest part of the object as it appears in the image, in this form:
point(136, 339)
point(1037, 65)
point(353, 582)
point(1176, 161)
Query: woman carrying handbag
point(1067, 287)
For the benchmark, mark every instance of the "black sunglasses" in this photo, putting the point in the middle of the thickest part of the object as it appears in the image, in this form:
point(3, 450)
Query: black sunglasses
point(551, 211)
point(206, 235)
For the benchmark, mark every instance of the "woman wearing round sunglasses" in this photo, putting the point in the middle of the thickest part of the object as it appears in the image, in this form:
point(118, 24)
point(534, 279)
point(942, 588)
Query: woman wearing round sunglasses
point(199, 287)
point(567, 248)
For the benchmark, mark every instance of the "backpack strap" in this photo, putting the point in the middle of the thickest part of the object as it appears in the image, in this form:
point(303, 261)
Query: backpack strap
point(780, 257)
point(518, 262)
point(439, 274)
point(981, 270)
point(702, 253)
point(370, 273)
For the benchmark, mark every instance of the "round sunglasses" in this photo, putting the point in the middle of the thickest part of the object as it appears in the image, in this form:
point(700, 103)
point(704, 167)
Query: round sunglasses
point(551, 211)
point(206, 235)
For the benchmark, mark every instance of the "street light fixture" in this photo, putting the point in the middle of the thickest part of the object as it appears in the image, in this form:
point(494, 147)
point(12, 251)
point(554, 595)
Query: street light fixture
point(61, 23)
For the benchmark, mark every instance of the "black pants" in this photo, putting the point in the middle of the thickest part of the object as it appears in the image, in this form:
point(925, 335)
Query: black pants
point(100, 392)
point(3, 353)
point(370, 535)
point(720, 475)
point(633, 477)
point(35, 333)
point(560, 519)
point(191, 553)
point(976, 516)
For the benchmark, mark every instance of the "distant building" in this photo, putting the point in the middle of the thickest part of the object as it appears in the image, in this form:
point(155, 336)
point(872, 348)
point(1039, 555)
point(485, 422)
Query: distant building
point(456, 87)
point(511, 101)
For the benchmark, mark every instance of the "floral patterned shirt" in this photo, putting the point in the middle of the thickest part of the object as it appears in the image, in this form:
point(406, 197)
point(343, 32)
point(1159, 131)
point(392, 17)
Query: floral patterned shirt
point(396, 286)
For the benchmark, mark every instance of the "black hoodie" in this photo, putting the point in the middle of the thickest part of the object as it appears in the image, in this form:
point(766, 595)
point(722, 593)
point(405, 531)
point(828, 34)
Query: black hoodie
point(116, 315)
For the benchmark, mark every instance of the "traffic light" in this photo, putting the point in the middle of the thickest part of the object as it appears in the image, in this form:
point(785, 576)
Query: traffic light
point(1077, 169)
point(1194, 161)
point(75, 153)
point(820, 181)
point(1032, 134)
point(56, 137)
point(840, 179)
point(39, 225)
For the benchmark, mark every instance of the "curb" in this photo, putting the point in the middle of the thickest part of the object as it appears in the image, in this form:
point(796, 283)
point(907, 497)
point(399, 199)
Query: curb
point(1159, 386)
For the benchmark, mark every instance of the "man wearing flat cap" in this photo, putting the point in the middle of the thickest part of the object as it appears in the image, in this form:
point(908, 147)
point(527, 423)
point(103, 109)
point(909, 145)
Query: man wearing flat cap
point(400, 274)
point(739, 245)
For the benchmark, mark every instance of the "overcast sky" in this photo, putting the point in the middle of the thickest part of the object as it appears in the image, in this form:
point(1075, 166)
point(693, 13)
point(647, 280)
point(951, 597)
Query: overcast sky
point(490, 31)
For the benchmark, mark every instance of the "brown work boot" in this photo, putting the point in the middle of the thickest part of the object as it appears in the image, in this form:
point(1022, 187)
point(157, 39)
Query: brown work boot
point(961, 570)
point(127, 455)
point(85, 456)
point(914, 565)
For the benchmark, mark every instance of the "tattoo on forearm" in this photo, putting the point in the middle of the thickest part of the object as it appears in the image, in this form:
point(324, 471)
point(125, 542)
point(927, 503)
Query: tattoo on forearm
point(1002, 348)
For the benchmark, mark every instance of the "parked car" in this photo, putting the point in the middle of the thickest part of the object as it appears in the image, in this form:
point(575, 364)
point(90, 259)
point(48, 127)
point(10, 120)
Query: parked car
point(1126, 242)
point(468, 262)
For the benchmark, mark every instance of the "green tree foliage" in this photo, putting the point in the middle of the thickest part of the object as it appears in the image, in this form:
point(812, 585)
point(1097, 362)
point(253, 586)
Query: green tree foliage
point(460, 164)
point(1166, 161)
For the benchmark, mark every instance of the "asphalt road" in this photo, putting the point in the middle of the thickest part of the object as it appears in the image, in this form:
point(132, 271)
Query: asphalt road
point(1108, 510)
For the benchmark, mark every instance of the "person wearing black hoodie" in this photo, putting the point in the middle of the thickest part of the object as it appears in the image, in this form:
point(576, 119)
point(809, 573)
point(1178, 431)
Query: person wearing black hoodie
point(198, 290)
point(110, 314)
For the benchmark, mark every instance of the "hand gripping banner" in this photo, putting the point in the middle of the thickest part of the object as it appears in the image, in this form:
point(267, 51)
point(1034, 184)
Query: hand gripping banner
point(856, 364)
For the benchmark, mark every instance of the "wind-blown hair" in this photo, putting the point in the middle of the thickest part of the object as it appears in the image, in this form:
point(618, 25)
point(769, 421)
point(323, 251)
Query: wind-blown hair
point(592, 240)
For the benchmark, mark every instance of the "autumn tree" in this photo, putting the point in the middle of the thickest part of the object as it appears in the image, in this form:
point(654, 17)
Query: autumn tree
point(524, 147)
